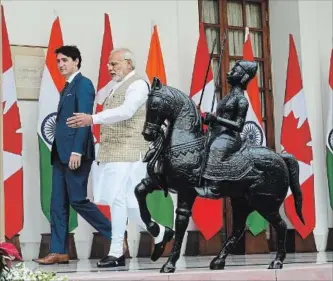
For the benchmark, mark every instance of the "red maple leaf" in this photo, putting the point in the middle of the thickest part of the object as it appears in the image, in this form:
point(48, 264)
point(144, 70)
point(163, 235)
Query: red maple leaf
point(295, 140)
point(12, 141)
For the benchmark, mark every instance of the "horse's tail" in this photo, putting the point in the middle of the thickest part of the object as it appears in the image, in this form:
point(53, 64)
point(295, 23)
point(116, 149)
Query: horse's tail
point(293, 168)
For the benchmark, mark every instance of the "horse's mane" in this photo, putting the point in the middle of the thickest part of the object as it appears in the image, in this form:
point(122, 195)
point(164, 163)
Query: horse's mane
point(180, 102)
point(172, 94)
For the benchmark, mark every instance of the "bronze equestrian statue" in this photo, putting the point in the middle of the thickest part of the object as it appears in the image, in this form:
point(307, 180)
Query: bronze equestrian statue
point(254, 177)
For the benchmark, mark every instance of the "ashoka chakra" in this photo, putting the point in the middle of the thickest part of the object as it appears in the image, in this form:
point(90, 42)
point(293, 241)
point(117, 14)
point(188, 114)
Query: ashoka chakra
point(330, 139)
point(48, 127)
point(252, 133)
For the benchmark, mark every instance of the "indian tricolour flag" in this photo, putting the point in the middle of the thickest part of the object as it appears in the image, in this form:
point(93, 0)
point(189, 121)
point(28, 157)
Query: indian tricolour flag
point(161, 208)
point(203, 207)
point(104, 86)
point(253, 132)
point(329, 138)
point(51, 85)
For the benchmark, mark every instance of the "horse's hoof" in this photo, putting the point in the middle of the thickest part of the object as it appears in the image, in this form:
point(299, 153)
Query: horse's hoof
point(276, 264)
point(168, 268)
point(217, 264)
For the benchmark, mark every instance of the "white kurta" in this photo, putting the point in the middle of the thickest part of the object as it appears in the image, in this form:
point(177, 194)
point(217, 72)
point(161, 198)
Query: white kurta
point(126, 175)
point(112, 178)
point(115, 182)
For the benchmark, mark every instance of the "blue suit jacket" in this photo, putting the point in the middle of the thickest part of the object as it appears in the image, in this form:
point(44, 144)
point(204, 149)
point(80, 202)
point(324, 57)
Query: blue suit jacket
point(78, 96)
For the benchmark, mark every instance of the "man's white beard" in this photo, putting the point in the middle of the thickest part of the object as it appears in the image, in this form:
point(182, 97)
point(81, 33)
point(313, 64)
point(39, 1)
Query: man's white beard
point(117, 78)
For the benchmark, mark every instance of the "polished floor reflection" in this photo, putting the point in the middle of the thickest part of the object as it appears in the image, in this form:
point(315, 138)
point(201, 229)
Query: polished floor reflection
point(189, 263)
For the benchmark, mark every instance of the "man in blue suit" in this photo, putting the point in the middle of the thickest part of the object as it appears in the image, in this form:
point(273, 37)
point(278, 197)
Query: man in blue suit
point(71, 156)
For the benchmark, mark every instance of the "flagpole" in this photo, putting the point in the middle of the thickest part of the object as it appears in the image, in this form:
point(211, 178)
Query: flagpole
point(2, 191)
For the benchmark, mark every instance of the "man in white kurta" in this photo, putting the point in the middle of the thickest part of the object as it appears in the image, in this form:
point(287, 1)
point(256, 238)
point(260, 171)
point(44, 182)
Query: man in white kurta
point(121, 150)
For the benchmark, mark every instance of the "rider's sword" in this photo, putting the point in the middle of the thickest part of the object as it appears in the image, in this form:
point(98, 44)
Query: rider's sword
point(203, 163)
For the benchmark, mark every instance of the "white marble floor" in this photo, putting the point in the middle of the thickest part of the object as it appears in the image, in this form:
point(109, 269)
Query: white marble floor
point(188, 263)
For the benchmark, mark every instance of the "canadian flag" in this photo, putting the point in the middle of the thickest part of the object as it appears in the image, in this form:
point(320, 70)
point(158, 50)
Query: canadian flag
point(12, 142)
point(203, 207)
point(296, 140)
point(104, 87)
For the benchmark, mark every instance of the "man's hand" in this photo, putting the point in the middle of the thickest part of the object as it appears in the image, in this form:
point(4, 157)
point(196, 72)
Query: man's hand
point(74, 162)
point(79, 120)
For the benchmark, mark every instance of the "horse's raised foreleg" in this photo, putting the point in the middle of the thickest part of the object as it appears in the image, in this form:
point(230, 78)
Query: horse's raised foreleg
point(183, 213)
point(240, 211)
point(145, 187)
point(162, 234)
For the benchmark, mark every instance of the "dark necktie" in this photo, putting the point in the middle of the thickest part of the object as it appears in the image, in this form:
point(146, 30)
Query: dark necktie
point(66, 84)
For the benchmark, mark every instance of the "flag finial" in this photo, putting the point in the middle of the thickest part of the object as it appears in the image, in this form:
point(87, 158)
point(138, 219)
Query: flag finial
point(152, 25)
point(55, 13)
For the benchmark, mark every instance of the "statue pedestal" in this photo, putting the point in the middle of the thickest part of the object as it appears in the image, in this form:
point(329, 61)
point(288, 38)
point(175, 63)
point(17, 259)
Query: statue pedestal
point(45, 246)
point(192, 244)
point(294, 242)
point(308, 245)
point(210, 247)
point(15, 240)
point(248, 244)
point(101, 246)
point(197, 245)
point(256, 244)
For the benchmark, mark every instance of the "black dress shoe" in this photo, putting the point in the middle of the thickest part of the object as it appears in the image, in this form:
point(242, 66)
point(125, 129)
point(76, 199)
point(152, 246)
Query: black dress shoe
point(111, 261)
point(159, 247)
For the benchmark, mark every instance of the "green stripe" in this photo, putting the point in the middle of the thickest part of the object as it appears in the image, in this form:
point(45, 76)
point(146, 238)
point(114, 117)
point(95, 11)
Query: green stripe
point(329, 162)
point(161, 208)
point(256, 223)
point(46, 184)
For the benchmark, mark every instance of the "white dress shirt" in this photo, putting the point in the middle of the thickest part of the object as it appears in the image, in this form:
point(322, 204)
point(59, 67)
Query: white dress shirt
point(70, 78)
point(136, 95)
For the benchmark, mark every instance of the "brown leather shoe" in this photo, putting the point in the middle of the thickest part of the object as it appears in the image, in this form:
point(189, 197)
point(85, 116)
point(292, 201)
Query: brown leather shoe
point(53, 258)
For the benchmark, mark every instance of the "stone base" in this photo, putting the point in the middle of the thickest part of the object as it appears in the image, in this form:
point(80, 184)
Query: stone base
point(248, 244)
point(197, 245)
point(329, 246)
point(15, 240)
point(101, 246)
point(210, 247)
point(308, 245)
point(295, 243)
point(256, 244)
point(192, 243)
point(146, 246)
point(45, 246)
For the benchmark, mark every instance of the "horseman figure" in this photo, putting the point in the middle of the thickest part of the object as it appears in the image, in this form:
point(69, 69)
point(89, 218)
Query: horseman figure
point(254, 177)
point(226, 126)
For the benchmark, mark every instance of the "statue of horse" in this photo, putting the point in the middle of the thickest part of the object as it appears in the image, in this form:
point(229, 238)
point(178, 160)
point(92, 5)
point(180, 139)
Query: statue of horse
point(255, 177)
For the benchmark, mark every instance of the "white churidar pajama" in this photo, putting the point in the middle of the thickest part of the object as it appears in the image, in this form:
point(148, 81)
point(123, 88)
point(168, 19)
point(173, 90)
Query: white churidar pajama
point(115, 181)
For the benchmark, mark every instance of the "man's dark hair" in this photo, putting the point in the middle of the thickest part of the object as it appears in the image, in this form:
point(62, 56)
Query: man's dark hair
point(70, 51)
